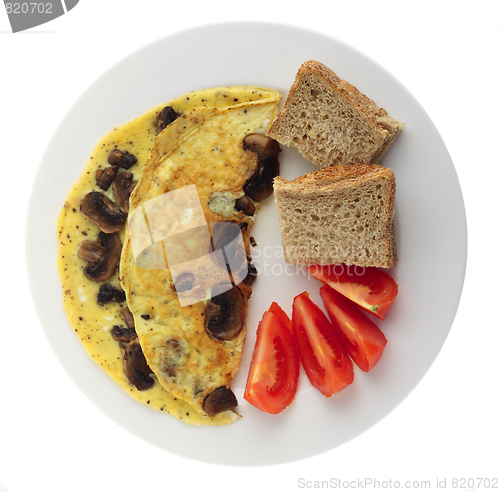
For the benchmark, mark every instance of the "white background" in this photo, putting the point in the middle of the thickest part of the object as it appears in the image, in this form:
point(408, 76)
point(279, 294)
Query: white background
point(447, 54)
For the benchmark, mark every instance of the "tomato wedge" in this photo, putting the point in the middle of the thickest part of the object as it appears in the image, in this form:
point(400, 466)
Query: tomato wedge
point(283, 317)
point(325, 361)
point(370, 288)
point(361, 337)
point(274, 370)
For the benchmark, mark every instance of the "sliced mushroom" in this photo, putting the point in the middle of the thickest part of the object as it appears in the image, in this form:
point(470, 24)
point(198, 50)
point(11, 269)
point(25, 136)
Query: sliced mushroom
point(245, 205)
point(122, 158)
point(92, 251)
point(109, 293)
point(213, 310)
point(128, 317)
point(225, 238)
point(220, 400)
point(102, 256)
point(224, 313)
point(123, 186)
point(251, 275)
point(260, 186)
point(184, 282)
point(262, 144)
point(103, 212)
point(166, 116)
point(104, 177)
point(224, 233)
point(135, 366)
point(121, 334)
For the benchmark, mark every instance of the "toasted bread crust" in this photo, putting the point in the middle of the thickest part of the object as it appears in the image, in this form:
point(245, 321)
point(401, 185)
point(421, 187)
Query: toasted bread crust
point(337, 177)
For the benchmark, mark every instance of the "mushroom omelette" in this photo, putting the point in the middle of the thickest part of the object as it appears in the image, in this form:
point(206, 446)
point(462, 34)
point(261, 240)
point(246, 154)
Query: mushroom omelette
point(154, 248)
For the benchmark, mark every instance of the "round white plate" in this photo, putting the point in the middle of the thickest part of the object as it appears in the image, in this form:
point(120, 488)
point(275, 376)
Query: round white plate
point(430, 228)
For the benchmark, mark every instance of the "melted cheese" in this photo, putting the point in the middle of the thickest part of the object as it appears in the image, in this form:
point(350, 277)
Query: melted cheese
point(93, 323)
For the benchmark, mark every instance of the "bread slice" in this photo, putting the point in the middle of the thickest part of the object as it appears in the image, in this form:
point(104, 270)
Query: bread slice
point(341, 214)
point(331, 122)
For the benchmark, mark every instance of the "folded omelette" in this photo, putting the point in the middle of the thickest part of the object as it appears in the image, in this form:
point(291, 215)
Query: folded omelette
point(168, 324)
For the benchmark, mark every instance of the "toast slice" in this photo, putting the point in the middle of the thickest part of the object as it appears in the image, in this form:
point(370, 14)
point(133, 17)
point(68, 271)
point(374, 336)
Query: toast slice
point(341, 214)
point(331, 122)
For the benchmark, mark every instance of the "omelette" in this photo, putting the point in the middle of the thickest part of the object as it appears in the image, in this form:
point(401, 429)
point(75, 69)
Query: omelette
point(154, 248)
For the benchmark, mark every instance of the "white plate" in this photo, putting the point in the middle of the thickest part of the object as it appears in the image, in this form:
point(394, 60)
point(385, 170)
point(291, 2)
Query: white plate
point(430, 225)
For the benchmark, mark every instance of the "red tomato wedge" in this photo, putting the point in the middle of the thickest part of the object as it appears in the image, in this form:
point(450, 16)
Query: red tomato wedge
point(274, 370)
point(361, 337)
point(370, 288)
point(283, 317)
point(325, 361)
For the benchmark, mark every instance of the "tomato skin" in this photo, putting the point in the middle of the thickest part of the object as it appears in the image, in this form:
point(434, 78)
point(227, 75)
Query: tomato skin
point(323, 357)
point(370, 288)
point(362, 339)
point(283, 317)
point(274, 371)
